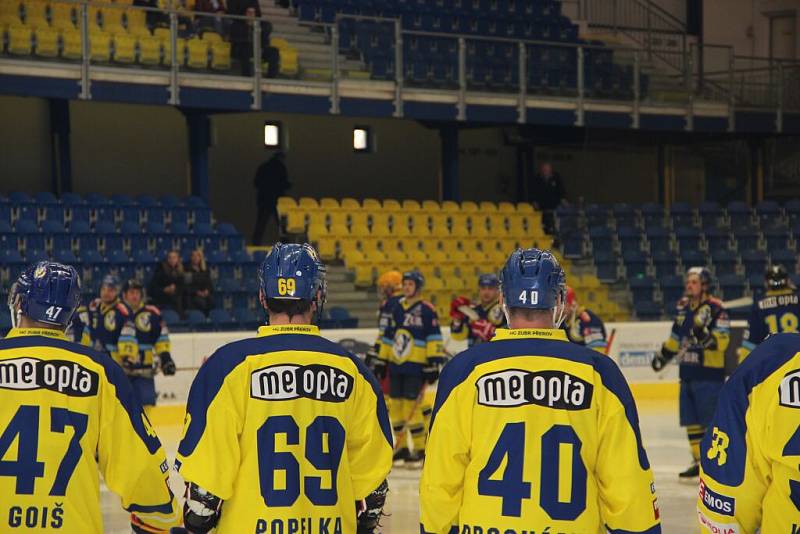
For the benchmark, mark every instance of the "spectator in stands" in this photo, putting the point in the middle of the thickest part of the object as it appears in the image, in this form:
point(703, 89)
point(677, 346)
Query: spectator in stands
point(166, 287)
point(242, 38)
point(546, 192)
point(271, 182)
point(216, 24)
point(198, 283)
point(154, 19)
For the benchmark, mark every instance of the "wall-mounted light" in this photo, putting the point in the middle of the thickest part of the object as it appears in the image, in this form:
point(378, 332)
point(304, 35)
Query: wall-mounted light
point(274, 137)
point(363, 140)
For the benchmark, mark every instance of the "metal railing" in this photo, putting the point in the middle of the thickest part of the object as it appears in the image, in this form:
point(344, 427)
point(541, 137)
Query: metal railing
point(517, 67)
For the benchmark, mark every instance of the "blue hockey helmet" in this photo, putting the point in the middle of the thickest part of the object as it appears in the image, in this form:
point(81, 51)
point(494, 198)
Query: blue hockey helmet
point(416, 276)
point(533, 279)
point(46, 292)
point(488, 280)
point(110, 280)
point(293, 271)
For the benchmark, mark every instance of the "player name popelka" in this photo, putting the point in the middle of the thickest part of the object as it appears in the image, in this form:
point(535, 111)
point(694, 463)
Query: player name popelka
point(552, 389)
point(285, 382)
point(62, 376)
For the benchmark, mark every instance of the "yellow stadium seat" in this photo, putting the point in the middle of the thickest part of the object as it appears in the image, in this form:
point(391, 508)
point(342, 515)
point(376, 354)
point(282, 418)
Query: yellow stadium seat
point(285, 204)
point(124, 48)
point(35, 14)
point(524, 207)
point(372, 205)
point(437, 257)
point(318, 231)
point(449, 206)
point(20, 39)
point(506, 207)
point(10, 13)
point(46, 42)
point(61, 16)
point(137, 21)
point(364, 276)
point(198, 53)
point(296, 222)
point(326, 249)
point(316, 217)
point(358, 222)
point(308, 203)
point(418, 257)
point(99, 46)
point(430, 206)
point(439, 224)
point(411, 205)
point(113, 17)
point(289, 65)
point(220, 55)
point(488, 207)
point(149, 50)
point(350, 205)
point(337, 217)
point(95, 16)
point(71, 45)
point(339, 231)
point(391, 205)
point(469, 207)
point(434, 284)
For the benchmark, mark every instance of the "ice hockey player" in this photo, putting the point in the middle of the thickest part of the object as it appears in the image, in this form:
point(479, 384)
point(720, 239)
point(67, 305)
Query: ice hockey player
point(286, 431)
point(67, 411)
point(749, 477)
point(478, 322)
point(583, 326)
point(152, 343)
point(699, 338)
point(532, 433)
point(390, 291)
point(412, 345)
point(78, 328)
point(777, 310)
point(110, 327)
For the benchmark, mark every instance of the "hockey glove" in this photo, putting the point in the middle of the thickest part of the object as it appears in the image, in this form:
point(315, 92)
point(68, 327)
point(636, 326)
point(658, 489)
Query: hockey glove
point(482, 329)
point(455, 313)
point(202, 510)
point(167, 364)
point(661, 360)
point(370, 510)
point(430, 373)
point(375, 364)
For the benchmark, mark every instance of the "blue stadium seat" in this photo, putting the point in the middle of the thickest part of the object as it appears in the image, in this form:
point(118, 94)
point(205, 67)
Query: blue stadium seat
point(117, 256)
point(659, 238)
point(90, 256)
point(19, 197)
point(155, 214)
point(792, 208)
point(777, 237)
point(647, 310)
point(216, 256)
point(173, 320)
point(34, 255)
point(53, 212)
point(756, 282)
point(785, 257)
point(688, 238)
point(672, 289)
point(642, 287)
point(601, 237)
point(682, 214)
point(122, 200)
point(636, 263)
point(652, 214)
point(625, 215)
point(747, 239)
point(341, 318)
point(169, 201)
point(717, 239)
point(739, 214)
point(221, 319)
point(105, 227)
point(574, 246)
point(732, 285)
point(726, 262)
point(129, 227)
point(146, 200)
point(248, 319)
point(132, 213)
point(65, 256)
point(154, 228)
point(195, 202)
point(77, 214)
point(607, 271)
point(197, 321)
point(630, 238)
point(71, 199)
point(665, 263)
point(143, 256)
point(768, 210)
point(710, 214)
point(203, 229)
point(755, 261)
point(692, 258)
point(180, 228)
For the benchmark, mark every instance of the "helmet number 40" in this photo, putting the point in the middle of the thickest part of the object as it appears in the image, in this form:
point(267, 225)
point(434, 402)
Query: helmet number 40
point(286, 286)
point(534, 297)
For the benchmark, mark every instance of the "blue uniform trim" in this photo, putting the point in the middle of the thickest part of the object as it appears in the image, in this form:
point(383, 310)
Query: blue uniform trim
point(165, 508)
point(734, 402)
point(419, 343)
point(748, 345)
point(652, 530)
point(453, 530)
point(387, 341)
point(213, 372)
point(434, 337)
point(458, 369)
point(113, 372)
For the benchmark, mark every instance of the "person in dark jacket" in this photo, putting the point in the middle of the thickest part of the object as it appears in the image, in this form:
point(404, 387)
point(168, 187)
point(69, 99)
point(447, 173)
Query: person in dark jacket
point(199, 286)
point(216, 24)
point(546, 193)
point(242, 38)
point(271, 182)
point(167, 285)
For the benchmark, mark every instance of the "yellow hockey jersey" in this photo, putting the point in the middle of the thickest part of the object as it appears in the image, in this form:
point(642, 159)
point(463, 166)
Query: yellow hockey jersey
point(750, 456)
point(531, 433)
point(289, 430)
point(67, 412)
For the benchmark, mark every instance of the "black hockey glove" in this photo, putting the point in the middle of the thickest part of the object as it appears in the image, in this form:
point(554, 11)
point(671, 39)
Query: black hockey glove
point(430, 373)
point(202, 510)
point(370, 510)
point(661, 360)
point(375, 364)
point(167, 364)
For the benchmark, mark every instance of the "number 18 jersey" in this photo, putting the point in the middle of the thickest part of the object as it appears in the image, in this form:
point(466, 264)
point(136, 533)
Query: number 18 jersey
point(531, 433)
point(289, 430)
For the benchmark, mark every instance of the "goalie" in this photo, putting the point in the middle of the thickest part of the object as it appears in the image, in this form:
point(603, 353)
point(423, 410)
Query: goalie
point(477, 322)
point(699, 338)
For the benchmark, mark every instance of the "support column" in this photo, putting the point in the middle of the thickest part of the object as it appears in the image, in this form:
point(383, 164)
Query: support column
point(663, 173)
point(60, 151)
point(756, 192)
point(199, 125)
point(449, 163)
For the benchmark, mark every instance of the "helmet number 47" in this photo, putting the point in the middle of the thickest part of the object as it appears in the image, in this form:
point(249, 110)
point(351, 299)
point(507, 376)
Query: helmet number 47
point(53, 312)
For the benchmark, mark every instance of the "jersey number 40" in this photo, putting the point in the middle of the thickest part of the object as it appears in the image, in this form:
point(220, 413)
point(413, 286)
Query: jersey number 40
point(512, 489)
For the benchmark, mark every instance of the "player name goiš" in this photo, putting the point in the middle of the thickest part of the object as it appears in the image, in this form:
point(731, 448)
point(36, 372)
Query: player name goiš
point(551, 389)
point(286, 382)
point(62, 376)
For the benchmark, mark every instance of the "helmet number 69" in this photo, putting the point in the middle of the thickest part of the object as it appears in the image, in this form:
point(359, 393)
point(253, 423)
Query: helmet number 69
point(286, 286)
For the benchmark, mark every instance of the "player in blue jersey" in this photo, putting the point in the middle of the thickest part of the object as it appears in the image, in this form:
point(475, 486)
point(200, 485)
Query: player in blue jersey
point(110, 327)
point(532, 433)
point(67, 411)
point(152, 344)
point(412, 344)
point(477, 322)
point(390, 291)
point(750, 479)
point(285, 431)
point(699, 338)
point(776, 310)
point(583, 326)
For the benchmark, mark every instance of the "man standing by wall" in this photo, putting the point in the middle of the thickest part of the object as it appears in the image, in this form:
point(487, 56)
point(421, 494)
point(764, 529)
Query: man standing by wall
point(546, 192)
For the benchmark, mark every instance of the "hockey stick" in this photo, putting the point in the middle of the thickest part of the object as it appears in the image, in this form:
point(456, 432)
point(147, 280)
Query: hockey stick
point(471, 314)
point(610, 341)
point(401, 435)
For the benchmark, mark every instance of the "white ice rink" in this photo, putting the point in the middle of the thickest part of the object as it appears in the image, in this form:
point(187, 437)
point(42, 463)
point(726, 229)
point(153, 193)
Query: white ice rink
point(665, 441)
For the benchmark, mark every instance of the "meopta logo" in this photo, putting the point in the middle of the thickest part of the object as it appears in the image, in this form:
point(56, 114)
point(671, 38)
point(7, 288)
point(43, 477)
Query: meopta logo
point(720, 504)
point(716, 528)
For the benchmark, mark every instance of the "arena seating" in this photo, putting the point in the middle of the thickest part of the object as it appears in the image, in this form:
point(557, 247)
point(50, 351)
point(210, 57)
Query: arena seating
point(129, 236)
point(117, 33)
point(433, 60)
point(450, 243)
point(648, 248)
